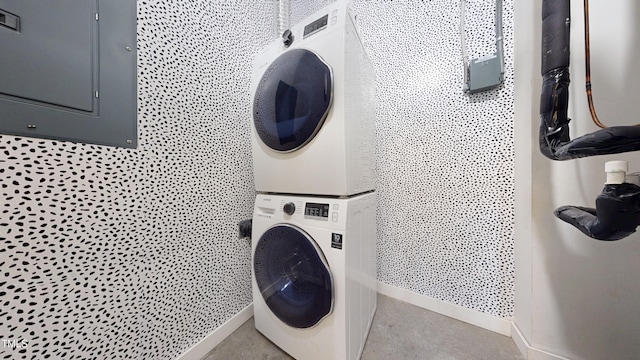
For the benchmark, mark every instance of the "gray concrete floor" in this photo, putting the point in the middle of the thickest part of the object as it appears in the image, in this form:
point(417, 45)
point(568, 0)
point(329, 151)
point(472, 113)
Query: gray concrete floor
point(399, 331)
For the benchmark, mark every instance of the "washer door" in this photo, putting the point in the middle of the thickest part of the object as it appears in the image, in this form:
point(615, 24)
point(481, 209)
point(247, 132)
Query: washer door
point(293, 276)
point(292, 100)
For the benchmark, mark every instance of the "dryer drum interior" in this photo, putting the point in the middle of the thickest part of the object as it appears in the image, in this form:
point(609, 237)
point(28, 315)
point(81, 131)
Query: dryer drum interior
point(292, 100)
point(293, 276)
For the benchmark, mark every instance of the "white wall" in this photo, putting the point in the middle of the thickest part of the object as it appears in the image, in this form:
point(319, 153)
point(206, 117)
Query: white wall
point(576, 297)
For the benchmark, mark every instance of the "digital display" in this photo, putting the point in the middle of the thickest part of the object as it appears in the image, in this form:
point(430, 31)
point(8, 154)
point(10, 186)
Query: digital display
point(316, 26)
point(319, 210)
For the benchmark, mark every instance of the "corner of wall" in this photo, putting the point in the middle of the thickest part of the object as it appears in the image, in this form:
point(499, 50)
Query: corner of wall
point(525, 15)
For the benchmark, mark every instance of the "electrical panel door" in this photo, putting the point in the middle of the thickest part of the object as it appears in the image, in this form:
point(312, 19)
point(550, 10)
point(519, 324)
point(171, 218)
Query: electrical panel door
point(68, 70)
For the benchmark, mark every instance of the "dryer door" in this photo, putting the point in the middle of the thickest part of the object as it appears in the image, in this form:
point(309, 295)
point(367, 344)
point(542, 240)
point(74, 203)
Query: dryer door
point(292, 100)
point(293, 276)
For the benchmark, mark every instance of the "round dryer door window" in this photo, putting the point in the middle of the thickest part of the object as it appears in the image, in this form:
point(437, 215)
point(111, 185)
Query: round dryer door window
point(292, 100)
point(293, 276)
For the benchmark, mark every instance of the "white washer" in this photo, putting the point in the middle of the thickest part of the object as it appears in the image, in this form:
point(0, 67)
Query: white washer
point(314, 273)
point(313, 109)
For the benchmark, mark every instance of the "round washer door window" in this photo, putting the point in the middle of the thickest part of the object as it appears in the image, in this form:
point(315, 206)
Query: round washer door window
point(292, 100)
point(293, 276)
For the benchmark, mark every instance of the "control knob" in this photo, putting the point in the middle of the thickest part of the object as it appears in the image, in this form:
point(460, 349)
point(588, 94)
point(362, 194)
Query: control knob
point(289, 208)
point(287, 38)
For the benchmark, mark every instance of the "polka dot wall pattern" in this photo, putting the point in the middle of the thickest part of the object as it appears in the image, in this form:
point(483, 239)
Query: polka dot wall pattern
point(111, 253)
point(444, 159)
point(300, 9)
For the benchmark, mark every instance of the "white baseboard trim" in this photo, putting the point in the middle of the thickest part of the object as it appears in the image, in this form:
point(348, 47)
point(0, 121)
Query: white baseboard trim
point(202, 348)
point(520, 341)
point(529, 352)
point(473, 317)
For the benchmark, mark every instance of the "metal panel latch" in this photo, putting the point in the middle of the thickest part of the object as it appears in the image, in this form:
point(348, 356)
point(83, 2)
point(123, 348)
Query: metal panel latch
point(9, 20)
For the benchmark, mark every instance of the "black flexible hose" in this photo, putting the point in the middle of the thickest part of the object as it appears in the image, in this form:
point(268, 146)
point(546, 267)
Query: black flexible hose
point(616, 216)
point(555, 142)
point(617, 212)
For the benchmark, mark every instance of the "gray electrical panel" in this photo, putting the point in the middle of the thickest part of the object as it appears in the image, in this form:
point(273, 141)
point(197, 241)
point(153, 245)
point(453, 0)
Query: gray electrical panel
point(68, 70)
point(485, 73)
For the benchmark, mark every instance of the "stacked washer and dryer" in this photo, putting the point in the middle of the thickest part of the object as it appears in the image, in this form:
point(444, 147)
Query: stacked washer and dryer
point(314, 232)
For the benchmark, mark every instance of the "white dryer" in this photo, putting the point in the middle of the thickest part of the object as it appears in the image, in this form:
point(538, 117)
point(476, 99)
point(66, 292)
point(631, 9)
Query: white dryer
point(314, 273)
point(313, 106)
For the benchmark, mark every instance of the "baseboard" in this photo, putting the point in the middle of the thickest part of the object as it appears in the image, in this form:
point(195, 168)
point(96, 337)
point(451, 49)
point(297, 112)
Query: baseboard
point(204, 346)
point(473, 317)
point(520, 341)
point(529, 352)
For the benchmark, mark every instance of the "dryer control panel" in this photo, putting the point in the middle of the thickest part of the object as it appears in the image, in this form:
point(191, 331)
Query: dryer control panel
point(316, 26)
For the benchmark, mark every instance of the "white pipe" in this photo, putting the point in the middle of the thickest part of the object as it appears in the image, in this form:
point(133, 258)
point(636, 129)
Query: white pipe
point(616, 171)
point(465, 55)
point(283, 16)
point(499, 36)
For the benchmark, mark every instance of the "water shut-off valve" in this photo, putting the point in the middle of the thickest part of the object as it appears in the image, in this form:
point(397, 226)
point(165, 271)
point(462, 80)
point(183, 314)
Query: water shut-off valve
point(617, 212)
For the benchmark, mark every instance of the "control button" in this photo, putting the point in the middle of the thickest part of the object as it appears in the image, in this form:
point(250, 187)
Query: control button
point(335, 206)
point(334, 217)
point(289, 208)
point(334, 20)
point(287, 38)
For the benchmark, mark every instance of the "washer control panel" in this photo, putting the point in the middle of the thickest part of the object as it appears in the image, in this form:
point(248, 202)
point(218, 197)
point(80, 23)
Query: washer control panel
point(316, 210)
